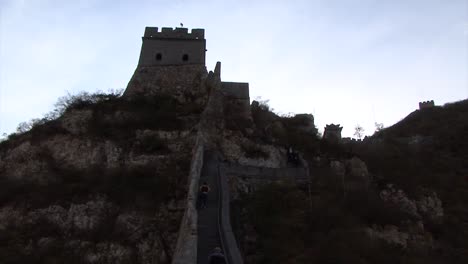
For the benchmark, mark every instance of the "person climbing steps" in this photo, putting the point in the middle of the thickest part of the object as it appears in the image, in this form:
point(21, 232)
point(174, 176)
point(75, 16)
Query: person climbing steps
point(203, 197)
point(216, 257)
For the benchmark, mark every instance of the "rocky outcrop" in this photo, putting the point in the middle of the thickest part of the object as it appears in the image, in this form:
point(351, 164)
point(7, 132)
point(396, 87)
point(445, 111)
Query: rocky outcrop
point(412, 236)
point(185, 82)
point(305, 123)
point(86, 224)
point(352, 174)
point(25, 162)
point(240, 150)
point(75, 228)
point(357, 175)
point(428, 206)
point(76, 121)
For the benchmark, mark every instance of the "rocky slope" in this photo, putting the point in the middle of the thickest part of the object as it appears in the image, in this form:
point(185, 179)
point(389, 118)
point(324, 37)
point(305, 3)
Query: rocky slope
point(397, 197)
point(106, 182)
point(103, 183)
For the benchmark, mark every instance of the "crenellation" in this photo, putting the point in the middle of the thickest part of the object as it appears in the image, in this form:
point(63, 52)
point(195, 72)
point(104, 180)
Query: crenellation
point(426, 104)
point(173, 59)
point(332, 132)
point(198, 33)
point(172, 46)
point(150, 31)
point(176, 33)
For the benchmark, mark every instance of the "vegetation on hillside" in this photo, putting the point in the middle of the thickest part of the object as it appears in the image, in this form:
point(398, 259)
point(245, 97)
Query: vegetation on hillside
point(297, 131)
point(143, 187)
point(425, 151)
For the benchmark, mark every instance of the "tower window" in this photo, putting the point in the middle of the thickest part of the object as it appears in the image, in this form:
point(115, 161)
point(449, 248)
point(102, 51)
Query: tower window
point(185, 57)
point(158, 56)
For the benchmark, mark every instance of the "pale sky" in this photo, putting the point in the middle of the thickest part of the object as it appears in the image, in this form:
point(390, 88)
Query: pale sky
point(347, 62)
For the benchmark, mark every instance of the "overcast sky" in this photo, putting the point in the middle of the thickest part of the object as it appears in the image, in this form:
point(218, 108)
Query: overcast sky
point(347, 62)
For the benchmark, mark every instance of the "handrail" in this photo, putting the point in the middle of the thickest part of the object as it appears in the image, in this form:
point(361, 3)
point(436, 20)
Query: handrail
point(227, 237)
point(228, 240)
point(186, 247)
point(220, 211)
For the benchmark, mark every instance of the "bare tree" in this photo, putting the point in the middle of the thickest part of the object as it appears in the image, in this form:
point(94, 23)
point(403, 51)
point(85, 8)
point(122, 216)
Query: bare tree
point(23, 127)
point(378, 126)
point(358, 131)
point(3, 137)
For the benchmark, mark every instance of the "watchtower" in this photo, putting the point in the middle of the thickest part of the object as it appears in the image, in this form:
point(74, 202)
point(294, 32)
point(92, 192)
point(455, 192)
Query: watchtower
point(332, 132)
point(426, 104)
point(172, 47)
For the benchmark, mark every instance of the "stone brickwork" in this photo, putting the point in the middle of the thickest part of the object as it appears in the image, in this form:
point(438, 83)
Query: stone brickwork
point(177, 33)
point(235, 90)
point(247, 179)
point(426, 104)
point(237, 100)
point(172, 47)
point(162, 68)
point(186, 249)
point(186, 82)
point(332, 132)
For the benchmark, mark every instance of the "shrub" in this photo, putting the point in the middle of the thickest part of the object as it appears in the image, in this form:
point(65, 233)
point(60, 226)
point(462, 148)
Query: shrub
point(254, 151)
point(151, 143)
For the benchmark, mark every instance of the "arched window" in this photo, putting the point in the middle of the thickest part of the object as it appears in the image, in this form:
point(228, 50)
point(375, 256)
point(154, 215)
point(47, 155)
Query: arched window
point(158, 56)
point(185, 57)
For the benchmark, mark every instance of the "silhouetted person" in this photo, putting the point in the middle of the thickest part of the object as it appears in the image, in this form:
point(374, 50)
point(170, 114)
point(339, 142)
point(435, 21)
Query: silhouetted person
point(293, 157)
point(216, 257)
point(204, 190)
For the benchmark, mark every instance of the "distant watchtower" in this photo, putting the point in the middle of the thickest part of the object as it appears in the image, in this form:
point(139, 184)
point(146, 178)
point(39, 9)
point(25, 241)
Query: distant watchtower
point(172, 47)
point(426, 104)
point(332, 133)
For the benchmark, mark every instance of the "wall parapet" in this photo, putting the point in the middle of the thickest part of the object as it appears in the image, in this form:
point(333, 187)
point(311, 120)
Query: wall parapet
point(426, 104)
point(235, 90)
point(298, 174)
point(228, 239)
point(186, 249)
point(177, 33)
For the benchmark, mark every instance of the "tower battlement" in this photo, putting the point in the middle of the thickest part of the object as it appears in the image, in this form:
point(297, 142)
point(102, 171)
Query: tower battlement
point(177, 33)
point(426, 104)
point(332, 132)
point(172, 46)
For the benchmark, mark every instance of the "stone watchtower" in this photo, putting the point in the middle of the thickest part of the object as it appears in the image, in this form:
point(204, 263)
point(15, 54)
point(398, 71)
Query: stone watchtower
point(172, 62)
point(332, 133)
point(172, 47)
point(426, 105)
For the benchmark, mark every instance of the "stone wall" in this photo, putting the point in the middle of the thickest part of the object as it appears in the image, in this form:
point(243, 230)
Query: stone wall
point(237, 100)
point(426, 104)
point(186, 83)
point(247, 179)
point(332, 133)
point(170, 33)
point(228, 239)
point(172, 47)
point(235, 90)
point(186, 249)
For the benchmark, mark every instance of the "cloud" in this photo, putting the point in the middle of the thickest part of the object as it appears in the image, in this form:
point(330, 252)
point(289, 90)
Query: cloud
point(334, 58)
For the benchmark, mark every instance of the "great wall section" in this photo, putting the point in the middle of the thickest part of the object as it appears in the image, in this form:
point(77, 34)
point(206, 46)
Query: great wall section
point(172, 61)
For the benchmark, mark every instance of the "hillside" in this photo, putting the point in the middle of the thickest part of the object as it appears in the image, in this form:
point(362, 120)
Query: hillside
point(405, 202)
point(440, 121)
point(104, 182)
point(114, 178)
